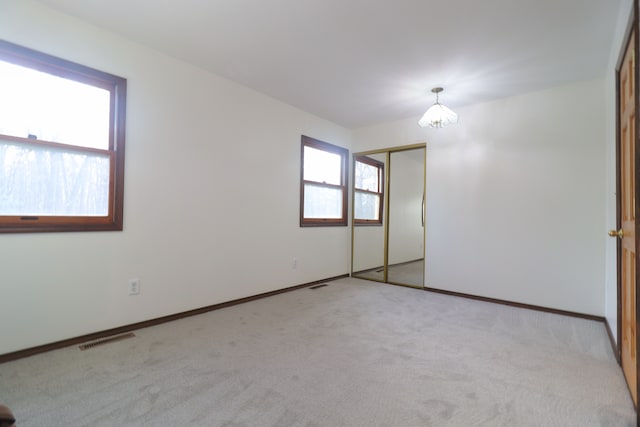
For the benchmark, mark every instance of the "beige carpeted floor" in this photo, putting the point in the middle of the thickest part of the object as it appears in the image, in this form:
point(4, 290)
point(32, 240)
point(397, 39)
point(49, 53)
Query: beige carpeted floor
point(354, 353)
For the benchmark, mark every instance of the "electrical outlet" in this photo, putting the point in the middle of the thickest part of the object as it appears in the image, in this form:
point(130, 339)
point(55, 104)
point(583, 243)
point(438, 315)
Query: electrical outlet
point(134, 286)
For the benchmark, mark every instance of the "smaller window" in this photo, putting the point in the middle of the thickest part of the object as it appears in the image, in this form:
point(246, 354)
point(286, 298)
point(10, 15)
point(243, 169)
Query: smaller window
point(368, 191)
point(323, 189)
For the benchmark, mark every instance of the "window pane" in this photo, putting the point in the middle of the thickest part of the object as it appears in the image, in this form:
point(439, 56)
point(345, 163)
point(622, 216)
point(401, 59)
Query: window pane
point(52, 182)
point(322, 202)
point(52, 108)
point(367, 206)
point(322, 166)
point(367, 177)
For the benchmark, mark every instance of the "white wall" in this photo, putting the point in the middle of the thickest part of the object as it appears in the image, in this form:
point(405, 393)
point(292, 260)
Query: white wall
point(211, 198)
point(515, 197)
point(611, 289)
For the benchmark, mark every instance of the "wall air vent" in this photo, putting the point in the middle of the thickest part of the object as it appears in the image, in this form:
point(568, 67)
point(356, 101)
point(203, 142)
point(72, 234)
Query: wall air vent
point(107, 340)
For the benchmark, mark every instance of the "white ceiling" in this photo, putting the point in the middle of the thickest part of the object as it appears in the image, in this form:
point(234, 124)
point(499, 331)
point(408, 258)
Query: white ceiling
point(360, 62)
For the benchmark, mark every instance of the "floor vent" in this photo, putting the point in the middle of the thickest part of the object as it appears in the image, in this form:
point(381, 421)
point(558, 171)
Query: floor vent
point(108, 340)
point(319, 286)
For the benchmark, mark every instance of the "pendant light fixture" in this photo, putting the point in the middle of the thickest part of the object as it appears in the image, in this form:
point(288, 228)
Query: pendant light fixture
point(438, 115)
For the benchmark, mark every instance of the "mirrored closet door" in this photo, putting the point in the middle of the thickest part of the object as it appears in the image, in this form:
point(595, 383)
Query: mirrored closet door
point(388, 215)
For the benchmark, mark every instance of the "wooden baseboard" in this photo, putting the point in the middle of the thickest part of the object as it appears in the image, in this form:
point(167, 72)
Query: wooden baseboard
point(518, 304)
point(152, 322)
point(614, 345)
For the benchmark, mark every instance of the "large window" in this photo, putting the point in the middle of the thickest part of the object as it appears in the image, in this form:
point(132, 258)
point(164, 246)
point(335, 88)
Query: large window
point(61, 144)
point(368, 191)
point(323, 189)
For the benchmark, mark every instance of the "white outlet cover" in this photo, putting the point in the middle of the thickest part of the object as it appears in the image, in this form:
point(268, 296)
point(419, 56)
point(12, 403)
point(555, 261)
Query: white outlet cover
point(134, 287)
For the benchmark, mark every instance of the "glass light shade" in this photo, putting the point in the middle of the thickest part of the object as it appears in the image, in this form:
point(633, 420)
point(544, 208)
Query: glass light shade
point(438, 116)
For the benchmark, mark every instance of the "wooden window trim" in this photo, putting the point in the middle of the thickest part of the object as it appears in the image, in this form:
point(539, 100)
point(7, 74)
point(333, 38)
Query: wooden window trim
point(380, 166)
point(117, 86)
point(307, 141)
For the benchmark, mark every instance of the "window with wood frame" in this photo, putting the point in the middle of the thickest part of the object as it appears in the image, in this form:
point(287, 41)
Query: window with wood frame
point(368, 191)
point(61, 144)
point(323, 183)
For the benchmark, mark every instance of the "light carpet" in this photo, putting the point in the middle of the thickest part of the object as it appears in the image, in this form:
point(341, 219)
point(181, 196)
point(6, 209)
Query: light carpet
point(354, 353)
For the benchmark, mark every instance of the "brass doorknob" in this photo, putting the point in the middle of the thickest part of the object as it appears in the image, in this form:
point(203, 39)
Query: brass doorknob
point(614, 233)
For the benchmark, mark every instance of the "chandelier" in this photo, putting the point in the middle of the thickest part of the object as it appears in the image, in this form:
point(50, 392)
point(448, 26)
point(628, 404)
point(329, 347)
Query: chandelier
point(438, 115)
